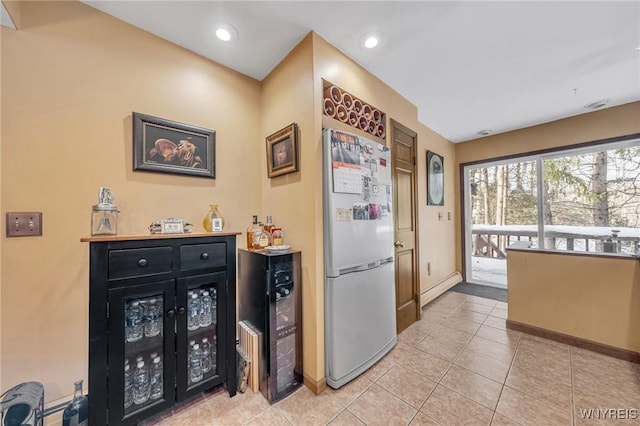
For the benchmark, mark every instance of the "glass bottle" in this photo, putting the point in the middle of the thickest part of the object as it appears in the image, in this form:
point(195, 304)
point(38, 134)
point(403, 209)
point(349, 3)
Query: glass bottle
point(257, 236)
point(77, 412)
point(250, 231)
point(277, 237)
point(213, 213)
point(268, 226)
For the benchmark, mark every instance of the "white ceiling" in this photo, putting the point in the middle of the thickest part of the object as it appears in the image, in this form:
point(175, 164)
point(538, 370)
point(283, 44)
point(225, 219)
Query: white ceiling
point(467, 66)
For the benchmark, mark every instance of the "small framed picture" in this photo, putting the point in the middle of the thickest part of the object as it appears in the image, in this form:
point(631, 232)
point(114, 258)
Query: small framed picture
point(435, 179)
point(216, 224)
point(172, 226)
point(282, 151)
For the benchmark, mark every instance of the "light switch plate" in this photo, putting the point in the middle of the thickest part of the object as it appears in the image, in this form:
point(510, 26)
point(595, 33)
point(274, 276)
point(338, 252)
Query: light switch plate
point(24, 224)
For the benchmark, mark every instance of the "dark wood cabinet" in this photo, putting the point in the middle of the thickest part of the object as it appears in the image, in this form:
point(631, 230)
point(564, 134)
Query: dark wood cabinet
point(139, 308)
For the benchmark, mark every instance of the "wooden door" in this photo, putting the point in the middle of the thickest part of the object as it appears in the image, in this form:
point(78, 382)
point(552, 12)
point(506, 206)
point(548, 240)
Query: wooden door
point(405, 225)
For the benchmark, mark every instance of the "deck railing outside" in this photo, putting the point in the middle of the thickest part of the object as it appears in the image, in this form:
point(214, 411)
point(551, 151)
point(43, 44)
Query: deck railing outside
point(491, 240)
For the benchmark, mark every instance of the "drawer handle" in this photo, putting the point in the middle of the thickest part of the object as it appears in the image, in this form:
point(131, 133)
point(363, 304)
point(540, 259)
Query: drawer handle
point(204, 256)
point(142, 262)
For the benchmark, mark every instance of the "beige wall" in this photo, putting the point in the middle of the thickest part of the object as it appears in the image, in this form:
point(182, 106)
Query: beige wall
point(287, 96)
point(437, 242)
point(608, 123)
point(593, 298)
point(70, 78)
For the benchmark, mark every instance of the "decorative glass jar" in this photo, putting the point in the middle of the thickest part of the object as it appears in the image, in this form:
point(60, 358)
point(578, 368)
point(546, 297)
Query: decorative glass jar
point(213, 220)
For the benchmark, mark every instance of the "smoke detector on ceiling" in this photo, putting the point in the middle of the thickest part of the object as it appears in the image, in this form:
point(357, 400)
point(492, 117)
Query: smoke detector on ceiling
point(598, 104)
point(485, 132)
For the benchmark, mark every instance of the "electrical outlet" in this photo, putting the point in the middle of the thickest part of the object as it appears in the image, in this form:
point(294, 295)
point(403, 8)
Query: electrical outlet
point(24, 224)
point(449, 215)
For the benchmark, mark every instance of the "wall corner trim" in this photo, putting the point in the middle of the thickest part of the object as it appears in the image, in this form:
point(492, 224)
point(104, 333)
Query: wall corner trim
point(315, 386)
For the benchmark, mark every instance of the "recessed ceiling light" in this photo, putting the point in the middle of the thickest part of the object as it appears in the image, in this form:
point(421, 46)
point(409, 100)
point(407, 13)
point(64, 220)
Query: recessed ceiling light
point(371, 42)
point(225, 32)
point(598, 104)
point(370, 39)
point(485, 132)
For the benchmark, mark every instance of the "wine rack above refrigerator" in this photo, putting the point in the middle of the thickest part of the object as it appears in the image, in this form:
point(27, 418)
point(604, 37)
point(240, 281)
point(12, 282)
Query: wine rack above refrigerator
point(342, 106)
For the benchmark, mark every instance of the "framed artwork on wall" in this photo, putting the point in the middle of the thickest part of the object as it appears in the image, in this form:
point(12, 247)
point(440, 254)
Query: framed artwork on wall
point(167, 146)
point(282, 151)
point(435, 179)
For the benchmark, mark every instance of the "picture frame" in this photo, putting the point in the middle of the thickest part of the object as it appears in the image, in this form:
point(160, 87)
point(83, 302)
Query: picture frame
point(435, 179)
point(282, 151)
point(166, 146)
point(172, 226)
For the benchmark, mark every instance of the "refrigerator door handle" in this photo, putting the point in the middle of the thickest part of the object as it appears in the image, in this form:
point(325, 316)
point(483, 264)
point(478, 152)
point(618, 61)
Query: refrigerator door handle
point(363, 267)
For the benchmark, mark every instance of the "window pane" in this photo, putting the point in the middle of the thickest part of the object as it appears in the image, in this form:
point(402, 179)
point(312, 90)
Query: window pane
point(504, 211)
point(592, 201)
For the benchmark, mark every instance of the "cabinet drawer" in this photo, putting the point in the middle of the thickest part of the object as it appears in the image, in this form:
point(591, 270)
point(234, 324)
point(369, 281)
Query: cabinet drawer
point(202, 256)
point(138, 262)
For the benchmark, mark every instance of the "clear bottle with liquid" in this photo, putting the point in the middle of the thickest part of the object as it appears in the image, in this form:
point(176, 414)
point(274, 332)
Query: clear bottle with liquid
point(155, 384)
point(77, 412)
point(193, 313)
point(205, 310)
point(250, 233)
point(195, 364)
point(141, 387)
point(134, 327)
point(128, 386)
point(206, 356)
point(153, 319)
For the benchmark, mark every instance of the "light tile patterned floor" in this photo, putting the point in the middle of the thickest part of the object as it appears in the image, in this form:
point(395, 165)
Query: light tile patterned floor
point(458, 365)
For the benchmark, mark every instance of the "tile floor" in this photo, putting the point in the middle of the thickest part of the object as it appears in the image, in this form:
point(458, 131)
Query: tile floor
point(457, 365)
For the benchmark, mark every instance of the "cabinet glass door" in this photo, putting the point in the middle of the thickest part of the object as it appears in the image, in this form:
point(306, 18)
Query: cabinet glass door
point(200, 345)
point(143, 353)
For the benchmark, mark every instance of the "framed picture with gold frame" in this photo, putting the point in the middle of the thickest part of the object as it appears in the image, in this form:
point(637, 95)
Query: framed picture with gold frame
point(282, 151)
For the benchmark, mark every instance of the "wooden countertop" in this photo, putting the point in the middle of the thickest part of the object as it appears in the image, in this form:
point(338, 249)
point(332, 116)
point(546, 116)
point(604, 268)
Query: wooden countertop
point(132, 237)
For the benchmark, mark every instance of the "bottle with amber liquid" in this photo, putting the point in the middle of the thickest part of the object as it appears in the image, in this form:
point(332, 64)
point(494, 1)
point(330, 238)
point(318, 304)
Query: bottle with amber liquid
point(277, 237)
point(268, 226)
point(251, 231)
point(260, 239)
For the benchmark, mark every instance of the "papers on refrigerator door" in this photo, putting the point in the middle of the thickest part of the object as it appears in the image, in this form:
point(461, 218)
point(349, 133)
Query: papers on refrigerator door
point(347, 178)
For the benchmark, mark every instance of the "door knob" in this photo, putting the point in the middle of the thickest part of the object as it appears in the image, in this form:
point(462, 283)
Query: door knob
point(398, 244)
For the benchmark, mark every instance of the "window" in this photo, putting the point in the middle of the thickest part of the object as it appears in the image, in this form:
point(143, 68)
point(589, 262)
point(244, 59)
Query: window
point(585, 199)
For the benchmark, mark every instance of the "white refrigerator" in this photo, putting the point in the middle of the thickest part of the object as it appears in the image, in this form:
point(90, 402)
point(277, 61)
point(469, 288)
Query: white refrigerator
point(360, 307)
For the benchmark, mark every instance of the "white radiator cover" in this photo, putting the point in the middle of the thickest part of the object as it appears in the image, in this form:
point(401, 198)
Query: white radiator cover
point(442, 286)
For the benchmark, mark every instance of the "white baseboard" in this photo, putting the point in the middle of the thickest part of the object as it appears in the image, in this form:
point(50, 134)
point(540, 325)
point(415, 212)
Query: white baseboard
point(442, 286)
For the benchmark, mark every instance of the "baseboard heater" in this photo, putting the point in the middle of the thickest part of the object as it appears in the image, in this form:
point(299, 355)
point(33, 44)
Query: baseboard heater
point(440, 287)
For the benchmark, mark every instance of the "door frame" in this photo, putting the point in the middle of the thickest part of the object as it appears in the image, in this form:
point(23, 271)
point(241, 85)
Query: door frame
point(395, 125)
